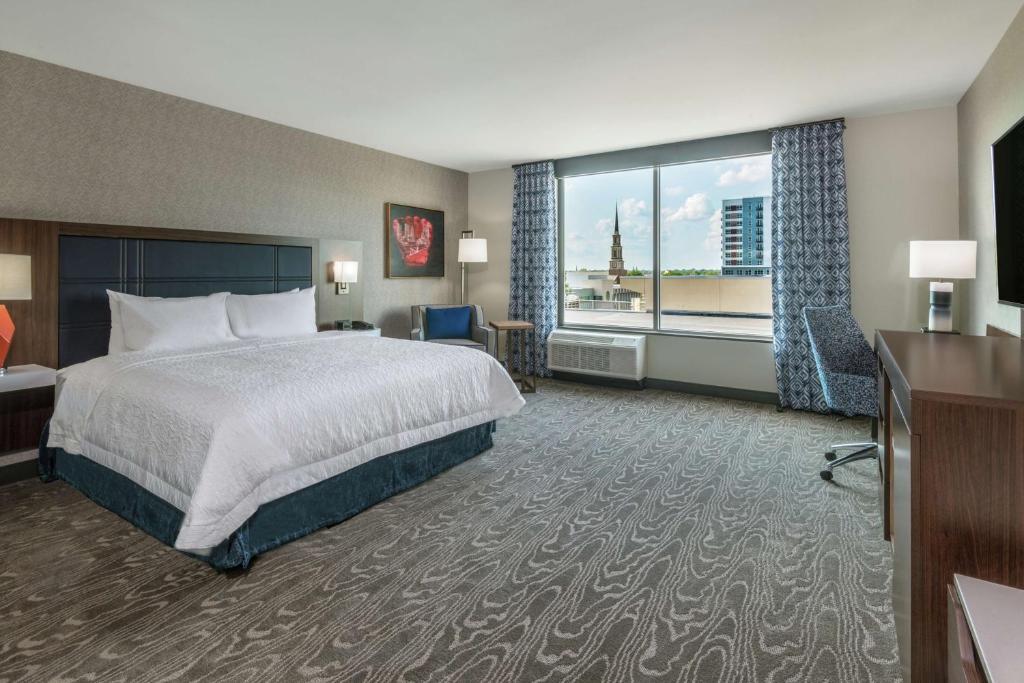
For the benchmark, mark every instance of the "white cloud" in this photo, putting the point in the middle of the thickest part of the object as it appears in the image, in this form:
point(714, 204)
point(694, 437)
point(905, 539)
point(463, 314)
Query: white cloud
point(674, 191)
point(749, 172)
point(713, 240)
point(604, 226)
point(696, 207)
point(639, 230)
point(631, 207)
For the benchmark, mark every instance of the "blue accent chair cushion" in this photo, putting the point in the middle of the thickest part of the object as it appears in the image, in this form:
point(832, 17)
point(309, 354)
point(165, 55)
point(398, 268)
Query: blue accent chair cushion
point(448, 323)
point(846, 364)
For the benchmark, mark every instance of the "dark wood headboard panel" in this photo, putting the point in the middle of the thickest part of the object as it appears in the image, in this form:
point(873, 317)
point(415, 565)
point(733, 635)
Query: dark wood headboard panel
point(66, 321)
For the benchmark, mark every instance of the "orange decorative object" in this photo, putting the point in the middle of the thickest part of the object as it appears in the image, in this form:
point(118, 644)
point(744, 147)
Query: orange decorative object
point(6, 334)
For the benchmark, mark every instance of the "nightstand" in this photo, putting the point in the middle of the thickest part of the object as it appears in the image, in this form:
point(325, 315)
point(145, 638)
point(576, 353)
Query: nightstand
point(358, 327)
point(375, 332)
point(26, 403)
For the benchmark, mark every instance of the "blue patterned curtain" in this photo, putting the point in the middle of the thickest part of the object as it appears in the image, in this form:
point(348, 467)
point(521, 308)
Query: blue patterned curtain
point(810, 249)
point(533, 294)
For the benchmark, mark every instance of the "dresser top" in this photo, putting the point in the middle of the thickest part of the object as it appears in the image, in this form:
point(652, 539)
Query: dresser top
point(949, 365)
point(21, 377)
point(995, 614)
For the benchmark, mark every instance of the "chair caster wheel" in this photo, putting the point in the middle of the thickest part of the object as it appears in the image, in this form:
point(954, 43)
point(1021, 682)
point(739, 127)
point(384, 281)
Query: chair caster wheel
point(826, 475)
point(830, 455)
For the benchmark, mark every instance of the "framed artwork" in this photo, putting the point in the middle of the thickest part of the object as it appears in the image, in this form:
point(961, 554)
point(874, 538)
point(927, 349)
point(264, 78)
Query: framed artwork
point(414, 241)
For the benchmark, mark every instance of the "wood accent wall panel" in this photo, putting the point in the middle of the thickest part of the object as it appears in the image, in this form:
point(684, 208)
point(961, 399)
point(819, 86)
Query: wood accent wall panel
point(35, 321)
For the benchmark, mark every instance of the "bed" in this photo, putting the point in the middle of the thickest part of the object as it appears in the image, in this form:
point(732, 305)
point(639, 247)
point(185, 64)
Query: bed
point(227, 450)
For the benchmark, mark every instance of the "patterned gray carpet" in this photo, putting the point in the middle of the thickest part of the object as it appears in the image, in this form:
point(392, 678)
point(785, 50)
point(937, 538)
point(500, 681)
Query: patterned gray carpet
point(609, 536)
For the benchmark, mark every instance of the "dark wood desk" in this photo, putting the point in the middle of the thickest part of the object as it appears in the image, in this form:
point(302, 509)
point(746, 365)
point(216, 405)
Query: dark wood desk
point(952, 439)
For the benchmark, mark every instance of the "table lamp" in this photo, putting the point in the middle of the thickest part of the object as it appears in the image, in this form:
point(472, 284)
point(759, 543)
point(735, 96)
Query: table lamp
point(15, 285)
point(471, 250)
point(942, 260)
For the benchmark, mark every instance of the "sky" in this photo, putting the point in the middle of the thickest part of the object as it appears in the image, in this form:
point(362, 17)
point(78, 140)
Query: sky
point(691, 212)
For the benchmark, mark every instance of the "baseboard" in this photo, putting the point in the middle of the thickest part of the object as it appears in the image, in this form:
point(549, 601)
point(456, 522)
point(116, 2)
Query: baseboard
point(769, 397)
point(672, 385)
point(597, 380)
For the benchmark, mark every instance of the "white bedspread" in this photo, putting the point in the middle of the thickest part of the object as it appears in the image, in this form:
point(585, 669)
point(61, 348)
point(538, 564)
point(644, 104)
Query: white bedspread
point(218, 431)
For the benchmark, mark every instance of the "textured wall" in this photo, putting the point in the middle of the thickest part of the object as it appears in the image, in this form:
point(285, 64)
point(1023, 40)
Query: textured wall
point(993, 103)
point(901, 174)
point(490, 209)
point(81, 148)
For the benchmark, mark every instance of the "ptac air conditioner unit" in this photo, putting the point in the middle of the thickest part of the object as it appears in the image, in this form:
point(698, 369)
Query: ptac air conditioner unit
point(598, 353)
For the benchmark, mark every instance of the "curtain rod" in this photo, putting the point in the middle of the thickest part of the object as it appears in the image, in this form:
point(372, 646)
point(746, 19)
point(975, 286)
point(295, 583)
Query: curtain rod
point(530, 163)
point(840, 119)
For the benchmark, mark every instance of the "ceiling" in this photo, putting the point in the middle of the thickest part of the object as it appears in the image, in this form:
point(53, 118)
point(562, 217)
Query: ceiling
point(480, 84)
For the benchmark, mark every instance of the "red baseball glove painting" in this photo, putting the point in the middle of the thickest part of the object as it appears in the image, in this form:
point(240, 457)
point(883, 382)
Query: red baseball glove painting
point(414, 235)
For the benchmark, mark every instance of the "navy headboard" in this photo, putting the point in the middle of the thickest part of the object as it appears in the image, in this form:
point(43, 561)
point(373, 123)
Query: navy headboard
point(160, 267)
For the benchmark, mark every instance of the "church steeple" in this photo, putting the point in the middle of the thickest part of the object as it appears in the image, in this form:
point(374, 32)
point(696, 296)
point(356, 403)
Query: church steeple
point(616, 267)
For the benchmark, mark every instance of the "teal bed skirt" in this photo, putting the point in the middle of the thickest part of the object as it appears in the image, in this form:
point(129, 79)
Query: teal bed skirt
point(279, 521)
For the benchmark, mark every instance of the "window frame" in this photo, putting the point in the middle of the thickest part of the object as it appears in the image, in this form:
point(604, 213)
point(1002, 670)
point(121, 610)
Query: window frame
point(673, 154)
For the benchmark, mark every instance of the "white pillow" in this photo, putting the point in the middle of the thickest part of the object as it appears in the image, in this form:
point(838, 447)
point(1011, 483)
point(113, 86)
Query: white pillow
point(151, 324)
point(265, 316)
point(116, 343)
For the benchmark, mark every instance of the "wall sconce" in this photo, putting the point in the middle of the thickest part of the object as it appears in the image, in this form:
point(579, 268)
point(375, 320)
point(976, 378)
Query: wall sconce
point(342, 274)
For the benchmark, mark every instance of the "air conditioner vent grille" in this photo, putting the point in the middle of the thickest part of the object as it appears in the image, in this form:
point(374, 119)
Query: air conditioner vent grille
point(588, 339)
point(597, 358)
point(597, 354)
point(564, 355)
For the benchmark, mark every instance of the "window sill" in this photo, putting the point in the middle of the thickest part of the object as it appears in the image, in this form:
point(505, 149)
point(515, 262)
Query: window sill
point(698, 334)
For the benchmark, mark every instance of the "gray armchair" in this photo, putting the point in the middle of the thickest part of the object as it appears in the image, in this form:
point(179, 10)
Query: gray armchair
point(484, 338)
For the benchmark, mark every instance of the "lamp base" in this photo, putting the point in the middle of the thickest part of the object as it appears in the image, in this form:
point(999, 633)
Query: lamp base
point(940, 314)
point(463, 283)
point(6, 337)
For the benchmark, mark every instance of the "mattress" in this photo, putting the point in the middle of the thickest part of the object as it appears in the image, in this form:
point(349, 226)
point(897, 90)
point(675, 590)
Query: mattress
point(218, 431)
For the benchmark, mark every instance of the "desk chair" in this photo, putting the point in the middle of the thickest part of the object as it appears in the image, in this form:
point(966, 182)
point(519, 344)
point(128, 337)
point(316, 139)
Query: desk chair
point(848, 372)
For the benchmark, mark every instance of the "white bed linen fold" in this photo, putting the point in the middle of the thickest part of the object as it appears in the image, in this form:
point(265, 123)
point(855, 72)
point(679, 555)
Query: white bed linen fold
point(220, 430)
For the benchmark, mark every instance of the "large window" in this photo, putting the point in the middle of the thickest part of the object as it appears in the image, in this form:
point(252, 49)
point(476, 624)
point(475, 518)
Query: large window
point(711, 273)
point(609, 249)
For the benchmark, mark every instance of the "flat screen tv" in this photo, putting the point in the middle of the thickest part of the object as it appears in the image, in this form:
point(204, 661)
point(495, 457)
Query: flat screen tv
point(1008, 176)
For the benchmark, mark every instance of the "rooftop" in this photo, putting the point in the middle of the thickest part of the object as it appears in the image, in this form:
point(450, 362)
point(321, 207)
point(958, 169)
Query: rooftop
point(759, 328)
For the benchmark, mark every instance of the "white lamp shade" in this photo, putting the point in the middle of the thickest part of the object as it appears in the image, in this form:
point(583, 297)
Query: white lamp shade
point(946, 259)
point(346, 271)
point(472, 250)
point(15, 277)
